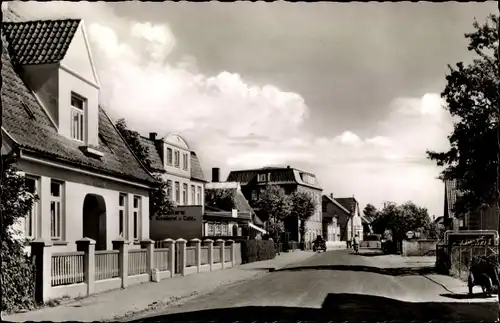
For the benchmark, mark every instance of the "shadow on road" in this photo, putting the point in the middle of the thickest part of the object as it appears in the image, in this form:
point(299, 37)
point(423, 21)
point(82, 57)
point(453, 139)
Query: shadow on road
point(403, 271)
point(468, 296)
point(346, 307)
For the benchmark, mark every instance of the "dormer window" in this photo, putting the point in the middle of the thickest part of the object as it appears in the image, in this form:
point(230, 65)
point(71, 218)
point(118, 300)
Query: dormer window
point(169, 156)
point(177, 158)
point(77, 117)
point(185, 161)
point(262, 177)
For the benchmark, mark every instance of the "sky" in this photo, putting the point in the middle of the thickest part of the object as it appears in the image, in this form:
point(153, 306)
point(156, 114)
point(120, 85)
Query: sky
point(347, 91)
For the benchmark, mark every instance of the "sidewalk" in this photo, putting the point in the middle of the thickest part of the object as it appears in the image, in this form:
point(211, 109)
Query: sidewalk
point(116, 304)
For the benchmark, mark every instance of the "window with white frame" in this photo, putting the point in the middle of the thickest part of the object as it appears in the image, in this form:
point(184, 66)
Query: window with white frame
point(262, 177)
point(56, 216)
point(184, 194)
point(185, 162)
point(31, 184)
point(254, 196)
point(177, 159)
point(177, 192)
point(136, 211)
point(123, 216)
point(211, 229)
point(193, 195)
point(169, 190)
point(198, 195)
point(169, 156)
point(77, 117)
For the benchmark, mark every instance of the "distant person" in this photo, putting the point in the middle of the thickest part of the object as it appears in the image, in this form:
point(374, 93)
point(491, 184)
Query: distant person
point(355, 241)
point(348, 243)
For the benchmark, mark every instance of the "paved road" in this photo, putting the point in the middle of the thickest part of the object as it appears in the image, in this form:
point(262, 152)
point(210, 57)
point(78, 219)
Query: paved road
point(337, 285)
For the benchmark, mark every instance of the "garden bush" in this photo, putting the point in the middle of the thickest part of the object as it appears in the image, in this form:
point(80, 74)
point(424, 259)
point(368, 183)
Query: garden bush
point(257, 250)
point(17, 270)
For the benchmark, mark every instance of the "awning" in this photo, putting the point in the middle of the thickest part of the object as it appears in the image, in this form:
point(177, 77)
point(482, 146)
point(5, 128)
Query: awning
point(257, 228)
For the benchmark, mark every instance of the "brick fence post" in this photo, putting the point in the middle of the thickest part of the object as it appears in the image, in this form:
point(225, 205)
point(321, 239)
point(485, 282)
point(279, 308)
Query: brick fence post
point(149, 245)
point(171, 256)
point(87, 245)
point(41, 253)
point(220, 243)
point(121, 245)
point(181, 244)
point(210, 244)
point(197, 244)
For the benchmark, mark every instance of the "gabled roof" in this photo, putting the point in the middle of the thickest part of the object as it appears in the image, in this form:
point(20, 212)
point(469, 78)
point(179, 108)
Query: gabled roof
point(26, 121)
point(278, 176)
point(347, 202)
point(40, 41)
point(157, 163)
point(333, 201)
point(240, 202)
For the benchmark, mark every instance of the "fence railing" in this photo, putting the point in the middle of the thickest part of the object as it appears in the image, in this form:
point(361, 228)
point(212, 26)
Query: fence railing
point(67, 268)
point(107, 264)
point(216, 255)
point(204, 255)
point(88, 266)
point(160, 259)
point(190, 256)
point(461, 257)
point(137, 262)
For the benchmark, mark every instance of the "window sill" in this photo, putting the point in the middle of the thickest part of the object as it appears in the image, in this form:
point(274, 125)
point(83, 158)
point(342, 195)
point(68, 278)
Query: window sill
point(136, 242)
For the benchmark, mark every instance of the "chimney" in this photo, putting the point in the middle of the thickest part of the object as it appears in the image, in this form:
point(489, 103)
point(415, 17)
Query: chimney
point(331, 195)
point(215, 175)
point(288, 166)
point(152, 135)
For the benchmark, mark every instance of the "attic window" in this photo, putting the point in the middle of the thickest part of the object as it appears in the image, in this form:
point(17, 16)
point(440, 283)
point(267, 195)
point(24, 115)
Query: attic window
point(77, 117)
point(28, 110)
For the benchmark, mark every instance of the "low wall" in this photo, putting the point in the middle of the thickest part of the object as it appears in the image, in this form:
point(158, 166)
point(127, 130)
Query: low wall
point(336, 245)
point(419, 247)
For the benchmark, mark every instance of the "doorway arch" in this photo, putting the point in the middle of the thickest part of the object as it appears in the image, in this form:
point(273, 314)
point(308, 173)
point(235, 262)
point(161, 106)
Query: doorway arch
point(94, 220)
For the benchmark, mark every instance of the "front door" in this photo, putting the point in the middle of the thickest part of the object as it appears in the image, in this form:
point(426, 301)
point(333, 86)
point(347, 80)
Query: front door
point(94, 220)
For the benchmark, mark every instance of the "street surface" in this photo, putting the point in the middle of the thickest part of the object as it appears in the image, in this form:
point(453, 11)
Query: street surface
point(338, 285)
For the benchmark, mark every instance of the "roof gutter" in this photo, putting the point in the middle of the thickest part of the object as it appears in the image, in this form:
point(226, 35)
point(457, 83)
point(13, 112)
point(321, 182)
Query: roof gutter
point(81, 171)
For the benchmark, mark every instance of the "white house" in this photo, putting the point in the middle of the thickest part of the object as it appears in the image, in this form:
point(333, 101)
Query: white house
point(180, 168)
point(88, 181)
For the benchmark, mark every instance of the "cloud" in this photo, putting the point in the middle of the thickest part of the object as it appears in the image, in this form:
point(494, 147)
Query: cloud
point(233, 123)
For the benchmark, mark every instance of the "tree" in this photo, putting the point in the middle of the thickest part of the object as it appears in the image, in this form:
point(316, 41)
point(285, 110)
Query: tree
point(471, 95)
point(220, 198)
point(17, 269)
point(160, 201)
point(274, 206)
point(133, 139)
point(370, 212)
point(399, 219)
point(303, 207)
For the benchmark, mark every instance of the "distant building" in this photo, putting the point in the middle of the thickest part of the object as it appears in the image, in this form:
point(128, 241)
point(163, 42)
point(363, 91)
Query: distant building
point(238, 221)
point(333, 215)
point(179, 166)
point(483, 218)
point(291, 180)
point(354, 224)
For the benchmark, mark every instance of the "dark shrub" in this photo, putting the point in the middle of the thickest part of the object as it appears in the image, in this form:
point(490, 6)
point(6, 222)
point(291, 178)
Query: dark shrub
point(257, 250)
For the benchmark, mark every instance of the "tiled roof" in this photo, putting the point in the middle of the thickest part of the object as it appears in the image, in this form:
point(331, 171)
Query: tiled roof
point(28, 124)
point(240, 202)
point(157, 163)
point(40, 41)
point(196, 170)
point(340, 207)
point(347, 202)
point(153, 154)
point(278, 175)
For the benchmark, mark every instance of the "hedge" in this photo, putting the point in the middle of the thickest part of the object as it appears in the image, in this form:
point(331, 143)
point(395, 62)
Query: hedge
point(257, 250)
